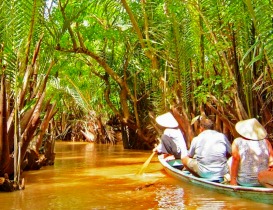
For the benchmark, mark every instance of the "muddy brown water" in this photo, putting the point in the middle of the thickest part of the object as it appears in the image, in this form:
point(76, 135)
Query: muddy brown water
point(90, 176)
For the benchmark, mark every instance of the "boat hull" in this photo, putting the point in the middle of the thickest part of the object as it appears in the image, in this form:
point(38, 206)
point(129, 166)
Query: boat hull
point(258, 194)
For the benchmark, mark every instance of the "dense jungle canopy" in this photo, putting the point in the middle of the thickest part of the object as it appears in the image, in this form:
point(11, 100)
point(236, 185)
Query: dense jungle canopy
point(100, 69)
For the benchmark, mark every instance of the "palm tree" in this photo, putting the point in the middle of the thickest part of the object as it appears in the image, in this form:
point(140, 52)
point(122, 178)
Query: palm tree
point(24, 71)
point(153, 55)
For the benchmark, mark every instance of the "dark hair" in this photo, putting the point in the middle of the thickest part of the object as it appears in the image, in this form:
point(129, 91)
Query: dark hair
point(206, 123)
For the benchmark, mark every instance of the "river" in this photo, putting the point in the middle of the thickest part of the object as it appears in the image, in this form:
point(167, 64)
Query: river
point(92, 176)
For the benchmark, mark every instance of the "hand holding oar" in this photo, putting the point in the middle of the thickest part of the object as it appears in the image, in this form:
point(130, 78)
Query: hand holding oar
point(146, 164)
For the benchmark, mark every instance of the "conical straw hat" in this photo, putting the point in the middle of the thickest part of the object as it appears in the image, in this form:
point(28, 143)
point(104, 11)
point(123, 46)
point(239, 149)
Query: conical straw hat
point(167, 120)
point(251, 129)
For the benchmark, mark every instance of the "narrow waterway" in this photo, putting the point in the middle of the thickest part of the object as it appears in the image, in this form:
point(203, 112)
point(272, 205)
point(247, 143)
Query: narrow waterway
point(90, 176)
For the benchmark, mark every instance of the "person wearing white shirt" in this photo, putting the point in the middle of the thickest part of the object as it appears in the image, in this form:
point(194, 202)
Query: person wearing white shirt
point(172, 140)
point(208, 153)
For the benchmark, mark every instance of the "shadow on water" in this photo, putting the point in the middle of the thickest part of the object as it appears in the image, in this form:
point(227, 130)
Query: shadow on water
point(90, 176)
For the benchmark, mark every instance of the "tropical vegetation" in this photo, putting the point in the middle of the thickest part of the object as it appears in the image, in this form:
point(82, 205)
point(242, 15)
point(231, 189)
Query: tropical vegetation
point(86, 69)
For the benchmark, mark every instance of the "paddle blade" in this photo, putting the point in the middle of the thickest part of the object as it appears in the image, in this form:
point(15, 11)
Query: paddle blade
point(146, 164)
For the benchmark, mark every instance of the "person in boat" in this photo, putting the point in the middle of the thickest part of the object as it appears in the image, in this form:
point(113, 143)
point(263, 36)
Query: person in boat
point(251, 153)
point(208, 153)
point(172, 142)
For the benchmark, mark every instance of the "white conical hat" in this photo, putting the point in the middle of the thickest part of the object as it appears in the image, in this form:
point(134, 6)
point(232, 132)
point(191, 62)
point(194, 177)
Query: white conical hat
point(167, 120)
point(251, 129)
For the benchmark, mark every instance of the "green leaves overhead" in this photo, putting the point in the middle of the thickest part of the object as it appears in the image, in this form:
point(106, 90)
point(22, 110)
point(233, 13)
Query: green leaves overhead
point(121, 54)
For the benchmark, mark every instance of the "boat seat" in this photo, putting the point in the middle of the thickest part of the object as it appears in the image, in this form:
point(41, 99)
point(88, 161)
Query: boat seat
point(176, 163)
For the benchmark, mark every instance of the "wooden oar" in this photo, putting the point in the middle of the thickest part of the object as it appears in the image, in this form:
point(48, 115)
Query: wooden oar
point(146, 164)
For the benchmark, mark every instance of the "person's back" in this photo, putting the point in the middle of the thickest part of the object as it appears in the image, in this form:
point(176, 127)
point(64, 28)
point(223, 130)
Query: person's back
point(208, 153)
point(172, 141)
point(210, 148)
point(250, 153)
point(178, 139)
point(254, 156)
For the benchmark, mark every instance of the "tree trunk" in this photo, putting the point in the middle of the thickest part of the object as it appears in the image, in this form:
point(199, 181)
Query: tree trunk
point(4, 144)
point(45, 123)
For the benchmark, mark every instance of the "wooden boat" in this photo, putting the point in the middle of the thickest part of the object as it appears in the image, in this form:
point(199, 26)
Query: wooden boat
point(258, 194)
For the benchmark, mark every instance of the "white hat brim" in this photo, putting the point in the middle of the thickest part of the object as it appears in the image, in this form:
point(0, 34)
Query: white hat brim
point(167, 120)
point(251, 129)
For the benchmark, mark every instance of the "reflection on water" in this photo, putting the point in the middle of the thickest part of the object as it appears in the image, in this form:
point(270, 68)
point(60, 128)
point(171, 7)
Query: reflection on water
point(89, 176)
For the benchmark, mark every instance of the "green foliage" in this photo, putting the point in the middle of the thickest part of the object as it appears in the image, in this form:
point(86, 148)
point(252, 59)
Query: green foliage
point(217, 86)
point(204, 49)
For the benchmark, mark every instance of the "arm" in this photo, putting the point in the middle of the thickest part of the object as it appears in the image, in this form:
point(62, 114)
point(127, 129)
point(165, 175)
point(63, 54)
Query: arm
point(158, 148)
point(191, 151)
point(270, 151)
point(234, 164)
